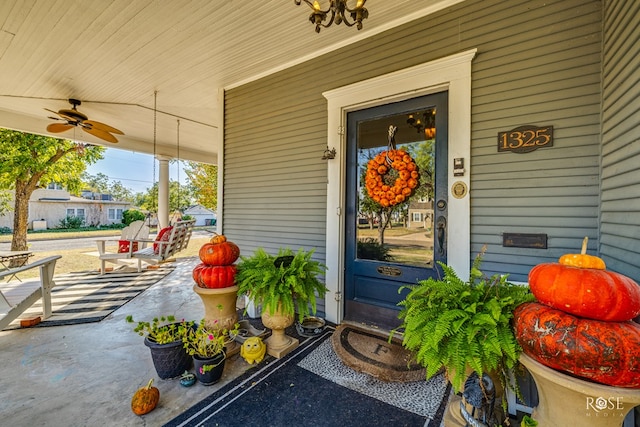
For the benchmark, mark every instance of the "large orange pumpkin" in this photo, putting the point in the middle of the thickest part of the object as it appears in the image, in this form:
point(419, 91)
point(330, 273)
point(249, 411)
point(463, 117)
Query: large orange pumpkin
point(214, 276)
point(604, 352)
point(224, 253)
point(586, 292)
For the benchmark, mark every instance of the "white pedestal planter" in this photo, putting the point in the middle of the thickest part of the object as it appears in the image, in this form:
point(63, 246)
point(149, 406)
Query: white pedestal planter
point(568, 401)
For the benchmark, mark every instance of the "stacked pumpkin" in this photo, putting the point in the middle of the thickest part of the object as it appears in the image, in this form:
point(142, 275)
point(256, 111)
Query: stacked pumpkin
point(216, 269)
point(582, 323)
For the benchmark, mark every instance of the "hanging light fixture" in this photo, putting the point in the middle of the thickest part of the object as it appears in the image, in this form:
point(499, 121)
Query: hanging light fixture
point(426, 124)
point(337, 10)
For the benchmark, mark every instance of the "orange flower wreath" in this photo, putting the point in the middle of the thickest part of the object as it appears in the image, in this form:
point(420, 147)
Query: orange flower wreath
point(381, 186)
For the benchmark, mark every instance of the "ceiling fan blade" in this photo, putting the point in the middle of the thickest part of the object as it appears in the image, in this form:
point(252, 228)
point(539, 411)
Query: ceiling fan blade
point(100, 134)
point(74, 115)
point(68, 118)
point(102, 126)
point(58, 127)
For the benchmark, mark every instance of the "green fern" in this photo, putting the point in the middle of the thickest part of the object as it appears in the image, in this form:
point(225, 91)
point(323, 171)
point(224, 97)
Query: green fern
point(457, 325)
point(293, 284)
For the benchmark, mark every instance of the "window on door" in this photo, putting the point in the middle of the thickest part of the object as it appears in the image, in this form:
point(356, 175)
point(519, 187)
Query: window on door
point(395, 196)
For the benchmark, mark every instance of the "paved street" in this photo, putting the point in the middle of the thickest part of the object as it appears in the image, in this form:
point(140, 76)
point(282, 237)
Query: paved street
point(79, 243)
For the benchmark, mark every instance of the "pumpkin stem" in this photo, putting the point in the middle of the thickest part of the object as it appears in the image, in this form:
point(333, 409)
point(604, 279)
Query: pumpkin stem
point(149, 385)
point(584, 245)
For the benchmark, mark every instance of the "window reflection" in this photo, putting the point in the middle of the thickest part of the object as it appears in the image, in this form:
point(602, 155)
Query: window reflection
point(401, 233)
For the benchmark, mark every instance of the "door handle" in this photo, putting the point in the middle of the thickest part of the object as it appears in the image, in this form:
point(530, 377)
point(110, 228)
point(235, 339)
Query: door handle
point(441, 227)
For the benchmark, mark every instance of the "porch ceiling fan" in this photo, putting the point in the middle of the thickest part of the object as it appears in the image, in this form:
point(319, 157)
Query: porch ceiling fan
point(72, 117)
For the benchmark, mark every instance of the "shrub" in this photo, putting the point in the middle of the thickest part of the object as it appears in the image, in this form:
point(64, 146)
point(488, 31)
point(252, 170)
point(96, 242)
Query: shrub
point(131, 215)
point(370, 248)
point(71, 222)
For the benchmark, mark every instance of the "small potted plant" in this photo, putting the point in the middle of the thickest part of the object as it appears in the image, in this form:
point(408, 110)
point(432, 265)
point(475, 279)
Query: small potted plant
point(164, 336)
point(285, 285)
point(464, 326)
point(207, 346)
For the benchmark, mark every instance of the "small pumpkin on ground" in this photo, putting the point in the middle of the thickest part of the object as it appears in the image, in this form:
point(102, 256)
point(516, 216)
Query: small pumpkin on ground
point(580, 285)
point(604, 352)
point(145, 399)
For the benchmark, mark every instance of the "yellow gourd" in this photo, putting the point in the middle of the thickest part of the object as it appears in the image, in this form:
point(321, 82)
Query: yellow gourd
point(582, 260)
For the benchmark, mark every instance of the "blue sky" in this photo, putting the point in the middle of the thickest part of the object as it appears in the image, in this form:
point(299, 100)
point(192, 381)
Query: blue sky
point(133, 170)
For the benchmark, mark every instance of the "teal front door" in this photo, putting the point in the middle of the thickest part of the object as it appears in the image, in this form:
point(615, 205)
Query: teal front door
point(396, 204)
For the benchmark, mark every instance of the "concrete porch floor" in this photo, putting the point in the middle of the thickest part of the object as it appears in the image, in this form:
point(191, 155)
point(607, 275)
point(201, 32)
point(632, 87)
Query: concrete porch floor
point(86, 374)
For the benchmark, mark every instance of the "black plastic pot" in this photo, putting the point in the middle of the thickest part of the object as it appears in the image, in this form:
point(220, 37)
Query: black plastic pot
point(170, 360)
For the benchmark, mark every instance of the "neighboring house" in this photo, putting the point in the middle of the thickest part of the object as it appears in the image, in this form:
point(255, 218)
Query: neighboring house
point(202, 215)
point(420, 215)
point(52, 205)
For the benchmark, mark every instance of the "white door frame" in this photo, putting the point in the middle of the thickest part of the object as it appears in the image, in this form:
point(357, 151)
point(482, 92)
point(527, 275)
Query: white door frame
point(453, 74)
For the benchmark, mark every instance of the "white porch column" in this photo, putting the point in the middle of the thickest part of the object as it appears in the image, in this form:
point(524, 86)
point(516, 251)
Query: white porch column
point(163, 192)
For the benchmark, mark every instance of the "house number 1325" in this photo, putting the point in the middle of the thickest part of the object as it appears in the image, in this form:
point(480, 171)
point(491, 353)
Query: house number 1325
point(525, 139)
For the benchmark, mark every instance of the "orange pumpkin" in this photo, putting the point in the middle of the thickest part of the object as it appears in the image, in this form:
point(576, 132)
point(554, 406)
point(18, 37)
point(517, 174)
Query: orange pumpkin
point(604, 352)
point(145, 399)
point(224, 253)
point(214, 276)
point(582, 260)
point(218, 238)
point(593, 293)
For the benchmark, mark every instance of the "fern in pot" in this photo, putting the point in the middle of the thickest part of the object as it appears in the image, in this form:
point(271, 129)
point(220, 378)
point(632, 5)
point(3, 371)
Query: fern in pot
point(464, 326)
point(285, 284)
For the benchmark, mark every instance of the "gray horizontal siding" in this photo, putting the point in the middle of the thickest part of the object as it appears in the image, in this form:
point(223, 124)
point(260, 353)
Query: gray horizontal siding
point(620, 200)
point(538, 63)
point(547, 73)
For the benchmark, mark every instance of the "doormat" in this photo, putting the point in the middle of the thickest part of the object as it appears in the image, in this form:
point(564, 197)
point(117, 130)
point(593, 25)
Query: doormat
point(87, 297)
point(373, 354)
point(310, 387)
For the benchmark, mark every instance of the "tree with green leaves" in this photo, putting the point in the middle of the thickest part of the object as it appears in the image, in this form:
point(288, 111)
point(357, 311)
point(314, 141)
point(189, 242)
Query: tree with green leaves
point(29, 162)
point(180, 198)
point(100, 183)
point(204, 180)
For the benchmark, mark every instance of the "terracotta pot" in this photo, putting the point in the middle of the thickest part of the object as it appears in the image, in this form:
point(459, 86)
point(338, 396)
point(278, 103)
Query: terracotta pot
point(219, 306)
point(278, 344)
point(569, 401)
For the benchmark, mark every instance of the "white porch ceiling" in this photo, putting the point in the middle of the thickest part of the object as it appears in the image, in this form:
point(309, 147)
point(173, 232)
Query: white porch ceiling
point(114, 54)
